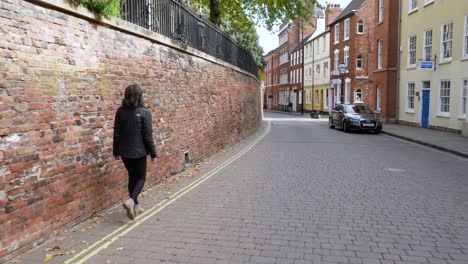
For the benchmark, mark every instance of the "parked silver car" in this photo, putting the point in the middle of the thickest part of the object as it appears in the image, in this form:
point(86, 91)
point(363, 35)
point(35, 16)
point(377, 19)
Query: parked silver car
point(354, 117)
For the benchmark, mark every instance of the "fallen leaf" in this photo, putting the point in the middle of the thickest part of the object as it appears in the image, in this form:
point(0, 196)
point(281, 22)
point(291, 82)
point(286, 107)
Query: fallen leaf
point(119, 248)
point(54, 248)
point(48, 257)
point(95, 215)
point(108, 261)
point(60, 238)
point(69, 252)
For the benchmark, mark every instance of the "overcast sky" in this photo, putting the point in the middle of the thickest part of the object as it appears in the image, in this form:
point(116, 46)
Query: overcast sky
point(269, 40)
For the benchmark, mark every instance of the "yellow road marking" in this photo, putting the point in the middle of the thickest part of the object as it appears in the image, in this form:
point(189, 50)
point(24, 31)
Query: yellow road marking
point(121, 231)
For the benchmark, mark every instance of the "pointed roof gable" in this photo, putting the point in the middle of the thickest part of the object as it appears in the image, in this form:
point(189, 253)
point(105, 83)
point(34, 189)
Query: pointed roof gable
point(354, 5)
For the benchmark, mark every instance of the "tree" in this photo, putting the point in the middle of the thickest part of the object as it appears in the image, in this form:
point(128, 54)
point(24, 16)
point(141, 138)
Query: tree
point(238, 17)
point(265, 12)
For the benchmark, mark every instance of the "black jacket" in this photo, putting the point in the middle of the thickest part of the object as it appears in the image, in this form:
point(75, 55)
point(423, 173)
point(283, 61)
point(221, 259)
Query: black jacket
point(133, 133)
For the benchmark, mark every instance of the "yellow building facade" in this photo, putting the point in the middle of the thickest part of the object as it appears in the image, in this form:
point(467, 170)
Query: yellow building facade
point(434, 64)
point(317, 69)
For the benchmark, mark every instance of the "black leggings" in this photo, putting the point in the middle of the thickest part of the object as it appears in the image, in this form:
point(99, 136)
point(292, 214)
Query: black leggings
point(136, 176)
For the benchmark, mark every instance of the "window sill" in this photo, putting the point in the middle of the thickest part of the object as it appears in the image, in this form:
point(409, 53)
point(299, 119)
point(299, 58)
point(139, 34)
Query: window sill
point(465, 58)
point(427, 4)
point(412, 11)
point(462, 117)
point(443, 115)
point(410, 111)
point(360, 33)
point(411, 67)
point(346, 39)
point(445, 61)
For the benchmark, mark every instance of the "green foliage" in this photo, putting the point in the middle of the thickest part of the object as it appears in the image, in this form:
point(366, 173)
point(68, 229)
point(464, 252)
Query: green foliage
point(238, 17)
point(237, 24)
point(106, 8)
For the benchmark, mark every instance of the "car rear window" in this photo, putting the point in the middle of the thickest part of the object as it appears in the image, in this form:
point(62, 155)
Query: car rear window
point(359, 109)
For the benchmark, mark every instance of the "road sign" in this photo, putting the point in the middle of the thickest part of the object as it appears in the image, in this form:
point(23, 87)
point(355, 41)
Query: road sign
point(427, 64)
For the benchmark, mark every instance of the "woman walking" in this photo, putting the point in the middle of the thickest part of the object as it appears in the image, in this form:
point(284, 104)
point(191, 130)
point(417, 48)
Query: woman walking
point(133, 141)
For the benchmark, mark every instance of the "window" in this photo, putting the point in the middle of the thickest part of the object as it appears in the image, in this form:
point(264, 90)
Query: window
point(325, 69)
point(324, 44)
point(412, 51)
point(359, 62)
point(378, 105)
point(308, 101)
point(447, 36)
point(358, 96)
point(381, 10)
point(346, 29)
point(347, 90)
point(379, 54)
point(336, 59)
point(360, 27)
point(346, 55)
point(444, 98)
point(465, 38)
point(317, 50)
point(317, 99)
point(317, 68)
point(410, 98)
point(427, 51)
point(413, 5)
point(337, 33)
point(463, 99)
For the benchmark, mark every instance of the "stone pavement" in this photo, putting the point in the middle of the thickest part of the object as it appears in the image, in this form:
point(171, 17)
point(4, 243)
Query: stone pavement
point(446, 141)
point(303, 193)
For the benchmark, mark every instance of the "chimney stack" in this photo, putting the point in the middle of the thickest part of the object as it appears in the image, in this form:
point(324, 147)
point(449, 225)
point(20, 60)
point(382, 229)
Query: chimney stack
point(331, 13)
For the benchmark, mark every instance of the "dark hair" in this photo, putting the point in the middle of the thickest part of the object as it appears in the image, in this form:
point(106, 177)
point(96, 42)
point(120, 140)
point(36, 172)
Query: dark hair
point(133, 97)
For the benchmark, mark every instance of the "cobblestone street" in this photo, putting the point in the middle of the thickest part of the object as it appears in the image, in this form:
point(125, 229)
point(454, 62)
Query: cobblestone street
point(308, 194)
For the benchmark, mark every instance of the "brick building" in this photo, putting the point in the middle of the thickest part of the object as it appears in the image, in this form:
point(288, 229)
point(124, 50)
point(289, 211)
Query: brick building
point(363, 38)
point(271, 78)
point(286, 66)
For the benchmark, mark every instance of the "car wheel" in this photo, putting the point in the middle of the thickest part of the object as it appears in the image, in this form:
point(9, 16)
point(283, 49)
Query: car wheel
point(345, 126)
point(377, 131)
point(330, 123)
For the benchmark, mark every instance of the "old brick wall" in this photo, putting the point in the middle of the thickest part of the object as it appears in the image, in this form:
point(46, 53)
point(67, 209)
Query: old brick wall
point(61, 80)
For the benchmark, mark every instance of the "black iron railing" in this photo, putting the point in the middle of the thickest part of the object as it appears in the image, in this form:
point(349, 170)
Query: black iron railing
point(172, 19)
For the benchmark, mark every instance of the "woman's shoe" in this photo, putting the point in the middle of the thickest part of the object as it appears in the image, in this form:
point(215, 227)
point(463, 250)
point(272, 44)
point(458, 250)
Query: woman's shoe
point(139, 210)
point(129, 205)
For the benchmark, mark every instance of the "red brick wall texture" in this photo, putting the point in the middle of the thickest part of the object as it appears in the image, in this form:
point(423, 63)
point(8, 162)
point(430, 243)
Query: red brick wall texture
point(61, 81)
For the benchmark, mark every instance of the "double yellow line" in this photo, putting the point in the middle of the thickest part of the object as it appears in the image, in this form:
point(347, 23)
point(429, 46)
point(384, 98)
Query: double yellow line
point(104, 242)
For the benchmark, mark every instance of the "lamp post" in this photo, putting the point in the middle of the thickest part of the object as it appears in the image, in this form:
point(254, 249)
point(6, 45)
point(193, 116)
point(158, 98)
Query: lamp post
point(343, 68)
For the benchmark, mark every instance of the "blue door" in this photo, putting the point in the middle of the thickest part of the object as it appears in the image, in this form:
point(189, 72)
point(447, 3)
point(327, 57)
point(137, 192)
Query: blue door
point(425, 108)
